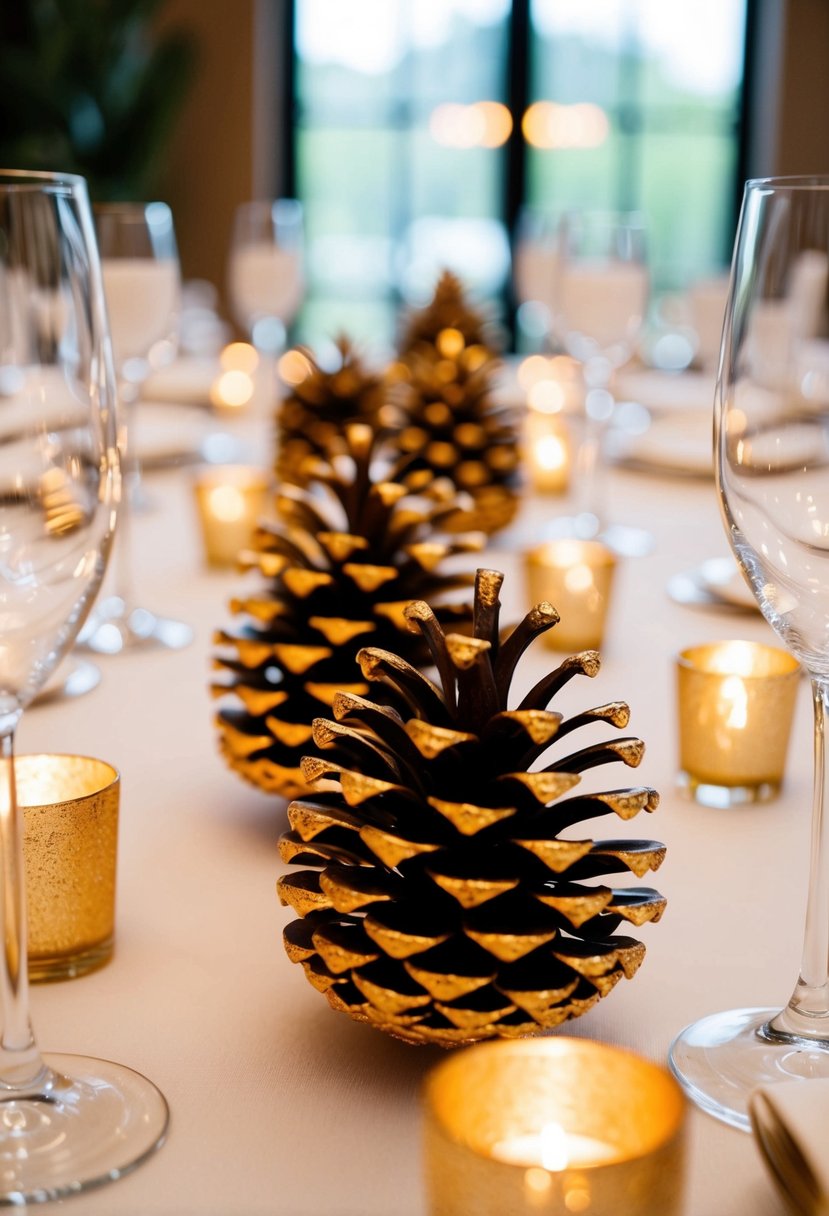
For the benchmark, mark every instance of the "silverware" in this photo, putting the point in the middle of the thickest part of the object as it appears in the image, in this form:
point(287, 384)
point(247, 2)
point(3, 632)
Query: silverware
point(715, 583)
point(799, 1188)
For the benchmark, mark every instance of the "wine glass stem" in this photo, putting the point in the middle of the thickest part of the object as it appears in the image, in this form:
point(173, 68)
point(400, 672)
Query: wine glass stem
point(598, 406)
point(20, 1061)
point(130, 491)
point(807, 1013)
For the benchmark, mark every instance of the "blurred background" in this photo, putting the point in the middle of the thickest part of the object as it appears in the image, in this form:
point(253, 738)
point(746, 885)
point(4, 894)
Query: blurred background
point(421, 134)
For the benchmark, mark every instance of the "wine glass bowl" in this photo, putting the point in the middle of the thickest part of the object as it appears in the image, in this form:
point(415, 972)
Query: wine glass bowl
point(772, 469)
point(139, 263)
point(599, 300)
point(265, 270)
point(66, 1122)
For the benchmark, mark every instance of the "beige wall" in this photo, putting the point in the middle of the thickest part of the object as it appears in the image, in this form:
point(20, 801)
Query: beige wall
point(209, 169)
point(802, 143)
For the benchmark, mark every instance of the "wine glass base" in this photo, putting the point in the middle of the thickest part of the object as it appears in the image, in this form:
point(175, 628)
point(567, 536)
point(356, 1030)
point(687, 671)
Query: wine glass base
point(721, 1058)
point(94, 1122)
point(114, 627)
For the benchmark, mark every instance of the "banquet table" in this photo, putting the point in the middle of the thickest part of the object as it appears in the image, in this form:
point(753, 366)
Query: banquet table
point(279, 1105)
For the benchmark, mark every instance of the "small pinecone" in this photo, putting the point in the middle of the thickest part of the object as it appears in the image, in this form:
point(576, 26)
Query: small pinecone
point(313, 415)
point(452, 902)
point(347, 558)
point(450, 422)
point(448, 309)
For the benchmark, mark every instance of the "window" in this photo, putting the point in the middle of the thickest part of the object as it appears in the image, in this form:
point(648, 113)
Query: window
point(421, 126)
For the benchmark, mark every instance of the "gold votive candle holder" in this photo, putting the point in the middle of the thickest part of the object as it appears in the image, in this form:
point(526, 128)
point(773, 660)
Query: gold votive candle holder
point(547, 452)
point(735, 706)
point(231, 500)
point(576, 577)
point(70, 844)
point(552, 1126)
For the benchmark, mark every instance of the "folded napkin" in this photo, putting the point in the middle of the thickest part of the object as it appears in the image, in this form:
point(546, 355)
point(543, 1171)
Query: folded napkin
point(802, 1108)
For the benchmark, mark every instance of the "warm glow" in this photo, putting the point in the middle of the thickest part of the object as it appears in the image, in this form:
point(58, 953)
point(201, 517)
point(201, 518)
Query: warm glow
point(233, 388)
point(553, 1141)
point(578, 579)
point(533, 369)
point(733, 659)
point(239, 357)
point(734, 703)
point(549, 452)
point(549, 124)
point(293, 367)
point(450, 343)
point(484, 124)
point(227, 503)
point(497, 123)
point(546, 396)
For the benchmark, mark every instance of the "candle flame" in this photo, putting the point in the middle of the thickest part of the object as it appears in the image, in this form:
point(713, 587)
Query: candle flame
point(734, 700)
point(227, 503)
point(553, 1140)
point(550, 452)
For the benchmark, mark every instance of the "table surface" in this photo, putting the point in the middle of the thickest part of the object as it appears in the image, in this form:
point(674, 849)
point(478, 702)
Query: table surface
point(280, 1105)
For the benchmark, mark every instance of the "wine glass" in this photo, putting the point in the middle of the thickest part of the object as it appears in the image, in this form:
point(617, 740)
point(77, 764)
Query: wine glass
point(600, 295)
point(534, 272)
point(772, 466)
point(265, 272)
point(139, 262)
point(66, 1122)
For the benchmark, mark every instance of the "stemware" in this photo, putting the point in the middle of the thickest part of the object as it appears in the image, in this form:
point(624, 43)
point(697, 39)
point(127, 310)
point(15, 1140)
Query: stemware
point(772, 467)
point(66, 1122)
point(265, 271)
point(139, 262)
point(600, 294)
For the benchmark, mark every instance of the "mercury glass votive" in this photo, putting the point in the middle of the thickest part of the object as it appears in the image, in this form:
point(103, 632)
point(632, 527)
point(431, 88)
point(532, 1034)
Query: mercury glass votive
point(70, 814)
point(576, 577)
point(553, 1127)
point(231, 500)
point(735, 703)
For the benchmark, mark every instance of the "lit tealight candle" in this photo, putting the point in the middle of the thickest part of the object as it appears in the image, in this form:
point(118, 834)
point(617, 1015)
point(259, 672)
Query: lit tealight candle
point(553, 1126)
point(231, 499)
point(548, 452)
point(736, 702)
point(554, 1149)
point(576, 577)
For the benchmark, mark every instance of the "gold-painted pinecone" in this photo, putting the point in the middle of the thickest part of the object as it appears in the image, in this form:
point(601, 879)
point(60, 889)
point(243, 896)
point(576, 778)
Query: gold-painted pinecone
point(348, 556)
point(452, 901)
point(312, 417)
point(448, 309)
point(451, 422)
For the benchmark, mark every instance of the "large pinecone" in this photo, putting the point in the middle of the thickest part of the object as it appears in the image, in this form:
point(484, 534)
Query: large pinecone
point(313, 415)
point(452, 903)
point(347, 558)
point(451, 422)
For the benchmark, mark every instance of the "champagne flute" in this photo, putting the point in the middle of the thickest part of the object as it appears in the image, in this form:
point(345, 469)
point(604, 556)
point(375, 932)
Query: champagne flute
point(600, 296)
point(139, 261)
point(265, 272)
point(66, 1122)
point(772, 467)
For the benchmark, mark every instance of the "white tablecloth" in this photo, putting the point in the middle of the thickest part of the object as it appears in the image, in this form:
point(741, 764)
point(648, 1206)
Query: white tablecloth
point(280, 1106)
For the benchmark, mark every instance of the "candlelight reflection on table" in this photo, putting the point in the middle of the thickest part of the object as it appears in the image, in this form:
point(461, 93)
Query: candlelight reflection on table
point(735, 703)
point(576, 577)
point(555, 1126)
